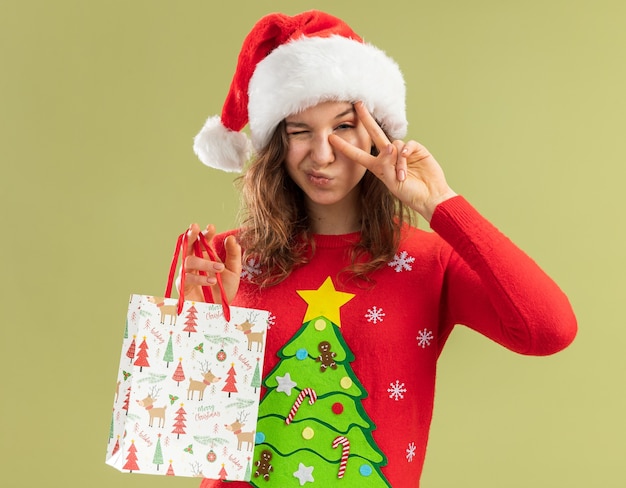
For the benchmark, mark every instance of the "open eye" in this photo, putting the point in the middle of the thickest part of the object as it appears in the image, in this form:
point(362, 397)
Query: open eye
point(345, 126)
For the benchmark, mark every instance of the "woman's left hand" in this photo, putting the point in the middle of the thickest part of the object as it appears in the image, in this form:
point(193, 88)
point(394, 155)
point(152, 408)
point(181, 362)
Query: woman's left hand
point(409, 171)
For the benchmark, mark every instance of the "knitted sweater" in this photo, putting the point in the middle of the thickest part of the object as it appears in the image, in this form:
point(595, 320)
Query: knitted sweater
point(466, 272)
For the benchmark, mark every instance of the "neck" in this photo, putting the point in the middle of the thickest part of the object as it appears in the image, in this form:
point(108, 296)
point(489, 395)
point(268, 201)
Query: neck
point(340, 218)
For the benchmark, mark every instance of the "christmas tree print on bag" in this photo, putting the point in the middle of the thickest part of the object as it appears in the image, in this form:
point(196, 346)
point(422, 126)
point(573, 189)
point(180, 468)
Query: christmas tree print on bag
point(188, 385)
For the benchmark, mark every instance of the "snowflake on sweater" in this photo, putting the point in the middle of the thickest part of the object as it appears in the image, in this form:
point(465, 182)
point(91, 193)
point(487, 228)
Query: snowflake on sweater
point(250, 269)
point(410, 452)
point(424, 338)
point(402, 262)
point(396, 391)
point(375, 315)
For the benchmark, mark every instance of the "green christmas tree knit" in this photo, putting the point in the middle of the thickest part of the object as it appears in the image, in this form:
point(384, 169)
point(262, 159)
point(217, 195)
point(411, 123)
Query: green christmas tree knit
point(312, 427)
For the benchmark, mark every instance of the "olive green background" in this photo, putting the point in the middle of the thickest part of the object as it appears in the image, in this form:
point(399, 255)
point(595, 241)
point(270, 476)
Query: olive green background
point(523, 104)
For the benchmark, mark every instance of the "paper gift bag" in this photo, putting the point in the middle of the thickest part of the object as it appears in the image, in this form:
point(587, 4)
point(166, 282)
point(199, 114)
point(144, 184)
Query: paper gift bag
point(188, 387)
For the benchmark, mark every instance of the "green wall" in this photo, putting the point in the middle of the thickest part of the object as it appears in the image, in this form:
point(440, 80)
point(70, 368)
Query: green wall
point(524, 105)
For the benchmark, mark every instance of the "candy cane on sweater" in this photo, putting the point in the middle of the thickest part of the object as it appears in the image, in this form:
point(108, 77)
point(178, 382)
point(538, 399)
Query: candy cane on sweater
point(307, 391)
point(345, 452)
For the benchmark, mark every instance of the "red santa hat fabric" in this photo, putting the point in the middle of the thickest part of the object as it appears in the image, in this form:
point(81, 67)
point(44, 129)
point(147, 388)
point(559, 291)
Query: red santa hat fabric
point(288, 64)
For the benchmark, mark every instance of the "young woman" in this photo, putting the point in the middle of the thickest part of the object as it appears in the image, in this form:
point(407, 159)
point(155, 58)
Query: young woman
point(326, 243)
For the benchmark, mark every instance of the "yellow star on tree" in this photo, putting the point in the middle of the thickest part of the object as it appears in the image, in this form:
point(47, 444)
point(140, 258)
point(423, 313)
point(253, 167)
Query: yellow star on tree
point(325, 301)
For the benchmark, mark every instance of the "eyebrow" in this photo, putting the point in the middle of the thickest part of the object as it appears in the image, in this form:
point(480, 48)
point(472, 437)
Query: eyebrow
point(350, 110)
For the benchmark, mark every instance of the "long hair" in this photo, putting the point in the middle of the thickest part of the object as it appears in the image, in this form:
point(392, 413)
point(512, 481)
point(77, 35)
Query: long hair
point(276, 232)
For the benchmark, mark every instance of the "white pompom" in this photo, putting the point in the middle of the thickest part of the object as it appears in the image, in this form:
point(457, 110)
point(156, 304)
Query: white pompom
point(221, 148)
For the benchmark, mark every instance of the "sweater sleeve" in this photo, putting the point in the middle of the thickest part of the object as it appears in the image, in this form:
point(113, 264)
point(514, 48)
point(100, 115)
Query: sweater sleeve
point(494, 288)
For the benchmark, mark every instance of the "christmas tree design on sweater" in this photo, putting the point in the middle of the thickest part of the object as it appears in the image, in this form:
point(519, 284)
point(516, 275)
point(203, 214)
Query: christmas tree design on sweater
point(312, 427)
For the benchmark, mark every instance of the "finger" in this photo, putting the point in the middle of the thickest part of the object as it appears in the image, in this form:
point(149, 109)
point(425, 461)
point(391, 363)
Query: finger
point(352, 152)
point(407, 152)
point(209, 232)
point(193, 280)
point(417, 152)
point(401, 163)
point(192, 234)
point(379, 138)
point(201, 272)
point(194, 264)
point(233, 255)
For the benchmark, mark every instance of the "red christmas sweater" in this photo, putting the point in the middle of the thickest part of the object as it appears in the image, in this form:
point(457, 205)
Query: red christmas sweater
point(466, 272)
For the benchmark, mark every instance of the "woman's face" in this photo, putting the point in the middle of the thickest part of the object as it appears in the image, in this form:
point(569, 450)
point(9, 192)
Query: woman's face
point(326, 178)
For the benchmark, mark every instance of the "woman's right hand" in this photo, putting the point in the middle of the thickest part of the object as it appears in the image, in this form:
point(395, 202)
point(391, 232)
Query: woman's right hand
point(230, 269)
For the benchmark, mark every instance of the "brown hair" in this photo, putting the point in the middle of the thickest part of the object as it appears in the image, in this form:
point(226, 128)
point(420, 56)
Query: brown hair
point(275, 227)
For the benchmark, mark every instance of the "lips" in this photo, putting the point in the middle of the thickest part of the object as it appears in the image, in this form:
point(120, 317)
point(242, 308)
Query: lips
point(318, 179)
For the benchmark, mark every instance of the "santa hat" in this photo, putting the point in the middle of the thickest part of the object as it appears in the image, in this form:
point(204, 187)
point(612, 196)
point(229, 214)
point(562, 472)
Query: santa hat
point(288, 64)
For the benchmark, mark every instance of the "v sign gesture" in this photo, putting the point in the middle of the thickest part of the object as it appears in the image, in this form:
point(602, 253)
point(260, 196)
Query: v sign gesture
point(407, 169)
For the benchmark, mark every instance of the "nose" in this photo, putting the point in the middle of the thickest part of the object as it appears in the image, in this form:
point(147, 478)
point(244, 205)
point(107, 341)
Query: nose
point(322, 152)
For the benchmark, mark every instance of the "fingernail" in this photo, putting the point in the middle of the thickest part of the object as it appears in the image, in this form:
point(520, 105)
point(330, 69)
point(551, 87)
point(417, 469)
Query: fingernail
point(218, 266)
point(405, 150)
point(401, 175)
point(390, 149)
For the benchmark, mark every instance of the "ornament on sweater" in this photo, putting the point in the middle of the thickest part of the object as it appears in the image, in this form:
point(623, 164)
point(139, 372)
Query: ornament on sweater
point(327, 357)
point(263, 465)
point(345, 453)
point(296, 406)
point(326, 440)
point(304, 474)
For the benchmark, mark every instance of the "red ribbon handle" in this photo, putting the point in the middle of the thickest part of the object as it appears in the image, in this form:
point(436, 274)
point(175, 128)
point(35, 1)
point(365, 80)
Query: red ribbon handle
point(181, 247)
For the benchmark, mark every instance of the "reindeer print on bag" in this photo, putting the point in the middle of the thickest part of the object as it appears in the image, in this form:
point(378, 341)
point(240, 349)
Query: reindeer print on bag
point(166, 310)
point(253, 337)
point(242, 437)
point(200, 386)
point(153, 412)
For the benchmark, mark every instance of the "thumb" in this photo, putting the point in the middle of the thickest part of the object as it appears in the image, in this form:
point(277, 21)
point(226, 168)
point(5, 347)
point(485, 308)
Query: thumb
point(233, 255)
